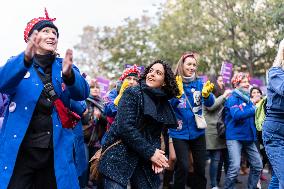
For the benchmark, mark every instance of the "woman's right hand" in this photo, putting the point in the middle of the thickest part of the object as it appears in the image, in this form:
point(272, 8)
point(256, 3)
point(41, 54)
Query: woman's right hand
point(160, 159)
point(32, 46)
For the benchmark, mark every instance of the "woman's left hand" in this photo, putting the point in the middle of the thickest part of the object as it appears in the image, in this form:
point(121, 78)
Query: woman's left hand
point(67, 63)
point(157, 169)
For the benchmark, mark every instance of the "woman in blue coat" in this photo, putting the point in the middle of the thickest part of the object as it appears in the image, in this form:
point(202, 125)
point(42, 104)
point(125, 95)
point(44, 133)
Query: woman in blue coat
point(273, 126)
point(35, 150)
point(241, 132)
point(187, 136)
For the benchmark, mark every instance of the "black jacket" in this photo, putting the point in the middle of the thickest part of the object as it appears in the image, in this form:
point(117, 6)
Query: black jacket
point(140, 119)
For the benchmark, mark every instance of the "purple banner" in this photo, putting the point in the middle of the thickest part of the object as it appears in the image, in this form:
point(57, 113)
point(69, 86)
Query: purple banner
point(227, 71)
point(104, 85)
point(256, 82)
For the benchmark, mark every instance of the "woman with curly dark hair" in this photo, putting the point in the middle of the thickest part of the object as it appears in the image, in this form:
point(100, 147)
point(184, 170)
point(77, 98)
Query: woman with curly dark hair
point(143, 111)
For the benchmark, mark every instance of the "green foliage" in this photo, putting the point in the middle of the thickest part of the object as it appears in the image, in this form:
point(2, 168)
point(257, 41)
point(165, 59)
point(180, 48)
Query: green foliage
point(246, 32)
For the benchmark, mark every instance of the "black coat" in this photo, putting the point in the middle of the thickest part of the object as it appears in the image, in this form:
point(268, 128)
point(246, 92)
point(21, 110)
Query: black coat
point(139, 122)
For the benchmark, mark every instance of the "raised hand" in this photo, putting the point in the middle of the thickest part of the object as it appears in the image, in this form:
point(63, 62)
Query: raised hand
point(67, 63)
point(180, 85)
point(207, 89)
point(32, 46)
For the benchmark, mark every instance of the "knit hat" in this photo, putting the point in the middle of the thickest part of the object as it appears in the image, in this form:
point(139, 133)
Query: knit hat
point(132, 71)
point(38, 24)
point(237, 78)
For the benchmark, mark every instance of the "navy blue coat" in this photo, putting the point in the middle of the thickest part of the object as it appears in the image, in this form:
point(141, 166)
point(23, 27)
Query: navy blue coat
point(24, 87)
point(139, 127)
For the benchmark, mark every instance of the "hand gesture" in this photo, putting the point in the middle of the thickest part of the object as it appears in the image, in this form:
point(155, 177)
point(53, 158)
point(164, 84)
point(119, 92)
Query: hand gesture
point(156, 168)
point(180, 86)
point(32, 46)
point(207, 89)
point(159, 159)
point(122, 89)
point(227, 93)
point(67, 63)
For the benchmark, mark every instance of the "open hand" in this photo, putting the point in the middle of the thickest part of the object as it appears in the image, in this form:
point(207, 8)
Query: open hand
point(67, 63)
point(32, 46)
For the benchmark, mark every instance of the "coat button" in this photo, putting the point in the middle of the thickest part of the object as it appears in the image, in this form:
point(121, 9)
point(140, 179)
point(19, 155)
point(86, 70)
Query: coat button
point(15, 136)
point(5, 167)
point(26, 108)
point(12, 106)
point(48, 132)
point(28, 74)
point(56, 125)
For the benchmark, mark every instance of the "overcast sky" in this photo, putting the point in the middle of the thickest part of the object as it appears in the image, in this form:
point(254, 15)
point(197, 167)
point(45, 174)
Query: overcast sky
point(71, 16)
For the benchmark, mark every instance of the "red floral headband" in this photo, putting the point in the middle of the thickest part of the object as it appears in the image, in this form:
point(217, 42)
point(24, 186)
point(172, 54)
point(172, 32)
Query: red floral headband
point(34, 21)
point(134, 69)
point(238, 78)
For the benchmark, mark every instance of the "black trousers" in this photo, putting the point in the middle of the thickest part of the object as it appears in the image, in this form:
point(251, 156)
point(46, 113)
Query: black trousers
point(34, 169)
point(198, 149)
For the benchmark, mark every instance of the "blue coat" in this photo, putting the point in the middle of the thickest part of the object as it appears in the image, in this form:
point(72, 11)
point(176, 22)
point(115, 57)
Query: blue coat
point(275, 95)
point(187, 127)
point(239, 118)
point(81, 161)
point(24, 87)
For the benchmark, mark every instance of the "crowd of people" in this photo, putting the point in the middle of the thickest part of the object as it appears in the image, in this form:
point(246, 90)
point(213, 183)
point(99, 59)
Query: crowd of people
point(156, 124)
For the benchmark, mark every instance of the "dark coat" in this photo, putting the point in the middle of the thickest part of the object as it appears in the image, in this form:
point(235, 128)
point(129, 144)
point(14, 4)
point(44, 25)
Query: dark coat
point(139, 122)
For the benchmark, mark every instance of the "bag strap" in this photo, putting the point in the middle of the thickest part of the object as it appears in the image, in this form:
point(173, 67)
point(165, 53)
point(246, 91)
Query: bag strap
point(188, 102)
point(48, 87)
point(117, 142)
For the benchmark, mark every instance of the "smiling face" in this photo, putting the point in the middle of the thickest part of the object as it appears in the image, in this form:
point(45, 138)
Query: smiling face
point(47, 41)
point(189, 66)
point(95, 90)
point(155, 78)
point(244, 84)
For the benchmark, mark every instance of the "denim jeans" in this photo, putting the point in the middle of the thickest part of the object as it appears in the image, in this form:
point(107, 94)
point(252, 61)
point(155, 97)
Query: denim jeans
point(111, 184)
point(274, 182)
point(273, 139)
point(234, 149)
point(214, 156)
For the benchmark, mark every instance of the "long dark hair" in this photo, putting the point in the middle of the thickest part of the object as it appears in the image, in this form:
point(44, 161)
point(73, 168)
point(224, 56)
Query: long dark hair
point(170, 88)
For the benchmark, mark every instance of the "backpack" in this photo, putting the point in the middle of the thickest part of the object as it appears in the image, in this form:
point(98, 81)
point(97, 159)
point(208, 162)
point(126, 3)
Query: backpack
point(260, 113)
point(221, 128)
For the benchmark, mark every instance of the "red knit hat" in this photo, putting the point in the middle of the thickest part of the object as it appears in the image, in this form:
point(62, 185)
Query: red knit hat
point(130, 71)
point(41, 22)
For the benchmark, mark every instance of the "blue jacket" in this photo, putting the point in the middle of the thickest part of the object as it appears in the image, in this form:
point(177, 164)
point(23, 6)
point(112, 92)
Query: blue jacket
point(187, 128)
point(24, 87)
point(275, 95)
point(81, 161)
point(239, 118)
point(110, 108)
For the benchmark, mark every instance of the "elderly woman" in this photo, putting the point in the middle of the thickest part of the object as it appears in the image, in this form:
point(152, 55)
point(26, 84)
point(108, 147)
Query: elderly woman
point(36, 142)
point(273, 126)
point(241, 132)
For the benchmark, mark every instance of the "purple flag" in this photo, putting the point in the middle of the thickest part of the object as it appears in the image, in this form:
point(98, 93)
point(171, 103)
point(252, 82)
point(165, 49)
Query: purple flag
point(104, 85)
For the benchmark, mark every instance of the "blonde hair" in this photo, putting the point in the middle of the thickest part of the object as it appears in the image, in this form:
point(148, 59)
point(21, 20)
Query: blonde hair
point(179, 66)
